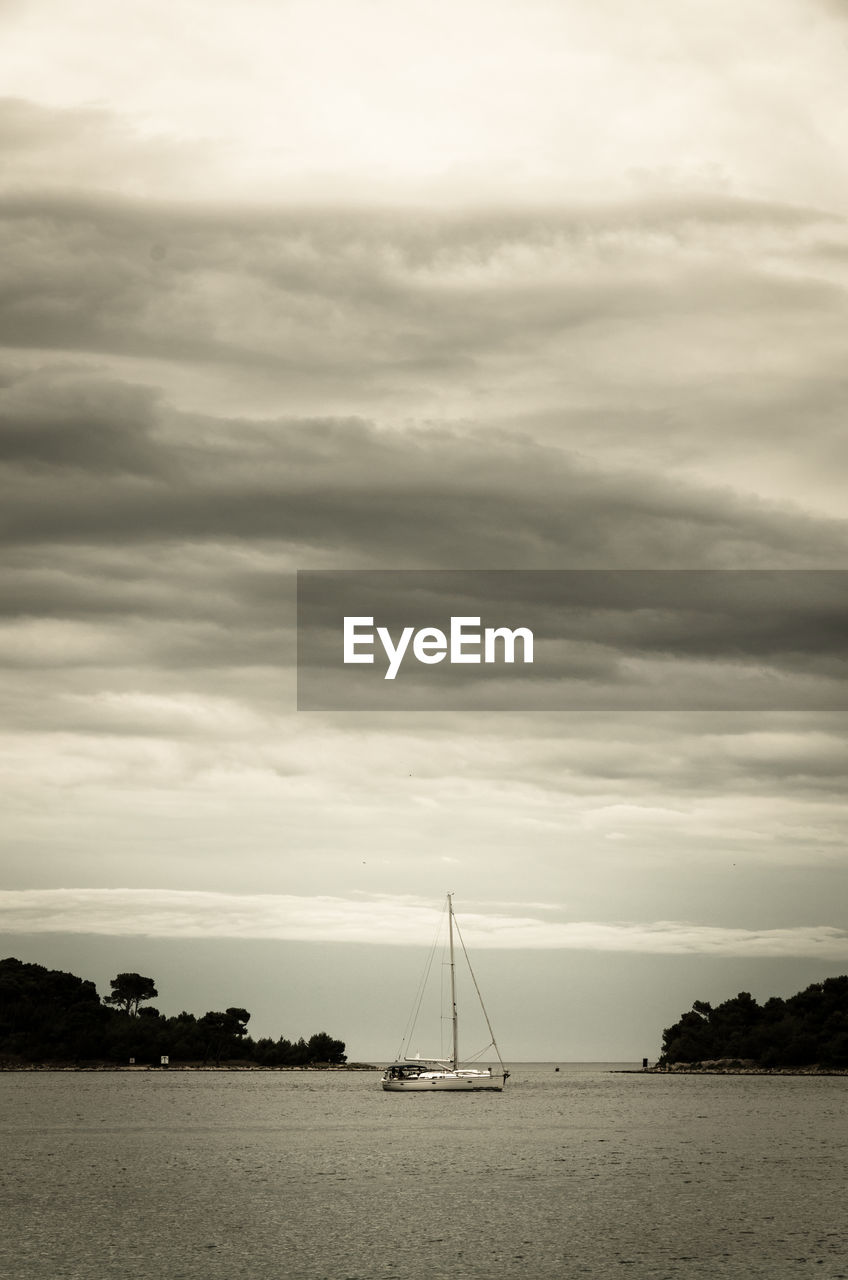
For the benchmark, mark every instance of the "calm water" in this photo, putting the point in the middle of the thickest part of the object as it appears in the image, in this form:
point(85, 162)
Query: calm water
point(309, 1175)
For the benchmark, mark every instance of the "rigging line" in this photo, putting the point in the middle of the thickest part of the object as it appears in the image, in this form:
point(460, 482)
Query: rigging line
point(475, 1057)
point(412, 1020)
point(477, 989)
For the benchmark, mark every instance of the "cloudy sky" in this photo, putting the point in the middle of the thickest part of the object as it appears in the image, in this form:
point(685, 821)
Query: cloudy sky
point(348, 284)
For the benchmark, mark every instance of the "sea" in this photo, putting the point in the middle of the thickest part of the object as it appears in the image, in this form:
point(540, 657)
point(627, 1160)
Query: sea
point(591, 1169)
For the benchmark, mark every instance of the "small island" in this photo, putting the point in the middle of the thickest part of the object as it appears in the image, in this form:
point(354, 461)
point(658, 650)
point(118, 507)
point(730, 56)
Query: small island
point(50, 1018)
point(807, 1033)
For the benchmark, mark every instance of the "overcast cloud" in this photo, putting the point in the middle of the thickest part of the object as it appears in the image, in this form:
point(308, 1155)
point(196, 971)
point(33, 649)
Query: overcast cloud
point(454, 287)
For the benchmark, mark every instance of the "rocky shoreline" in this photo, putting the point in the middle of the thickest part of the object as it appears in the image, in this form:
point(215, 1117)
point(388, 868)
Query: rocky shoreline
point(735, 1067)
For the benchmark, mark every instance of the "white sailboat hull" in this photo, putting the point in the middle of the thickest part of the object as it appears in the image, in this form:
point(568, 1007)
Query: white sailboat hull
point(446, 1082)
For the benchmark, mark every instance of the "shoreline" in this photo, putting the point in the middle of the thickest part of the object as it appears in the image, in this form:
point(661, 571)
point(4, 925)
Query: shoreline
point(714, 1069)
point(182, 1067)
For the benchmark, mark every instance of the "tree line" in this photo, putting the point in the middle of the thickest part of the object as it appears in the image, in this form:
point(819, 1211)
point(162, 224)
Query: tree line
point(807, 1029)
point(50, 1016)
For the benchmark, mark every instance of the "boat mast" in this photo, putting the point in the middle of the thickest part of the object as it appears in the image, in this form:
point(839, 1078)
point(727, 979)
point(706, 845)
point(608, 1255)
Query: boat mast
point(454, 1038)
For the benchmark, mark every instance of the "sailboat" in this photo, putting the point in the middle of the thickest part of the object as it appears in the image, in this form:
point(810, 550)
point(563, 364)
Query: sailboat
point(419, 1075)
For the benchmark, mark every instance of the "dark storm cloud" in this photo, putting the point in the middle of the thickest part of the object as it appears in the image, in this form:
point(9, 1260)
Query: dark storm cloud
point(632, 338)
point(388, 294)
point(95, 426)
point(371, 496)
